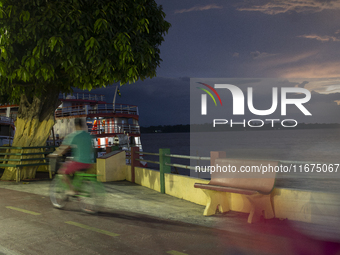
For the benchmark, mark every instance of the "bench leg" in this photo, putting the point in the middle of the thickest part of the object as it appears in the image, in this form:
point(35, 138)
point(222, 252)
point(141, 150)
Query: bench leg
point(18, 172)
point(260, 205)
point(216, 199)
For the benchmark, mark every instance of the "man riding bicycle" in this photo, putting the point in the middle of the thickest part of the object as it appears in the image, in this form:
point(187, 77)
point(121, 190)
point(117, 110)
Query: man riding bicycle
point(80, 143)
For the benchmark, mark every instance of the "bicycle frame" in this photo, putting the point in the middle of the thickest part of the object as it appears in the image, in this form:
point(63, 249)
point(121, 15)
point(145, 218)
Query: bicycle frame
point(80, 177)
point(87, 187)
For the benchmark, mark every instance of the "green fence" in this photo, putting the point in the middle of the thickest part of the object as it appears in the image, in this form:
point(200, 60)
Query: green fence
point(35, 154)
point(164, 162)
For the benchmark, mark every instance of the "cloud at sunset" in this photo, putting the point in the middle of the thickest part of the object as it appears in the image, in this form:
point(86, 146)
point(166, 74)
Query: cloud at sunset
point(199, 8)
point(315, 70)
point(322, 38)
point(284, 6)
point(287, 39)
point(257, 54)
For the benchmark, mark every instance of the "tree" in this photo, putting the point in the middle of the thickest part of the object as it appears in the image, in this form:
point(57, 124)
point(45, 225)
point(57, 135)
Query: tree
point(48, 47)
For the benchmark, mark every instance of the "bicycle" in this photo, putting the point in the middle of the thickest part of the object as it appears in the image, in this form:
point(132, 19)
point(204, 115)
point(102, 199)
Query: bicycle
point(88, 190)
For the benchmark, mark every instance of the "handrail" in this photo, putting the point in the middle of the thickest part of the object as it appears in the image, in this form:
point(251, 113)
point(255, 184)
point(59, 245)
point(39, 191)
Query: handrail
point(171, 156)
point(149, 161)
point(180, 166)
point(6, 119)
point(102, 108)
point(116, 128)
point(204, 158)
point(147, 153)
point(165, 163)
point(187, 157)
point(174, 155)
point(82, 95)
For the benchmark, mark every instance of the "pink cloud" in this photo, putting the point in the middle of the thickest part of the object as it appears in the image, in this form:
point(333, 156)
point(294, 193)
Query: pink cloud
point(322, 38)
point(283, 6)
point(200, 8)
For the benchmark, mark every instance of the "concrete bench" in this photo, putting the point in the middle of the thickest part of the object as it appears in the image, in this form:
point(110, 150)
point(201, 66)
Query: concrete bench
point(255, 186)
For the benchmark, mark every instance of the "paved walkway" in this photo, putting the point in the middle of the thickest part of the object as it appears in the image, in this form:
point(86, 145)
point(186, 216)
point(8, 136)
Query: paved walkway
point(267, 237)
point(127, 196)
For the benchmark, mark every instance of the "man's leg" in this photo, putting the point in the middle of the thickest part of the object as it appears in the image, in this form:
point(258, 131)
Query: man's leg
point(65, 170)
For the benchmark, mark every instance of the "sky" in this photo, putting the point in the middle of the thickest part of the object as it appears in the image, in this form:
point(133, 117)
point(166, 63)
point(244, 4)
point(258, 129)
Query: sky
point(240, 39)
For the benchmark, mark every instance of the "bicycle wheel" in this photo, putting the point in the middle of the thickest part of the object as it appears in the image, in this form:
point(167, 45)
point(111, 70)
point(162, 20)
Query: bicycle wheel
point(88, 197)
point(58, 192)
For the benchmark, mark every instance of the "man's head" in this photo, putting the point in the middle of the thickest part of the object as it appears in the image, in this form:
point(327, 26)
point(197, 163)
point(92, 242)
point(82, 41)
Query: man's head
point(79, 124)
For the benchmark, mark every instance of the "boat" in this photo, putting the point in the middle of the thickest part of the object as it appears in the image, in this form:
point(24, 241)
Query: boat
point(113, 126)
point(7, 130)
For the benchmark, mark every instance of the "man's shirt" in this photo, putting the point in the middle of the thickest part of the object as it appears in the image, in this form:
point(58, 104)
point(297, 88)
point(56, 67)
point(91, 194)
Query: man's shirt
point(81, 144)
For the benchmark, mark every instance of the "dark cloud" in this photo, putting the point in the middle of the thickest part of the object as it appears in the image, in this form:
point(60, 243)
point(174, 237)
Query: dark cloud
point(161, 101)
point(199, 8)
point(236, 54)
point(219, 42)
point(302, 84)
point(257, 54)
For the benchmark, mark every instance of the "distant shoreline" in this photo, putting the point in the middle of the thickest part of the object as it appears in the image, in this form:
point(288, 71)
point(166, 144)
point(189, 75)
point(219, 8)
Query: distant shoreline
point(166, 129)
point(209, 128)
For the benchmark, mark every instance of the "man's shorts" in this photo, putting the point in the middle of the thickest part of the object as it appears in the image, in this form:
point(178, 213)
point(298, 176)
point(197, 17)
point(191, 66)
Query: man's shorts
point(70, 167)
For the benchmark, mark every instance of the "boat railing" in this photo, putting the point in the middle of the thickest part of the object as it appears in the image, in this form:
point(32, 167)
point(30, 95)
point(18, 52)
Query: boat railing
point(83, 96)
point(116, 128)
point(6, 120)
point(6, 140)
point(96, 109)
point(70, 111)
point(118, 108)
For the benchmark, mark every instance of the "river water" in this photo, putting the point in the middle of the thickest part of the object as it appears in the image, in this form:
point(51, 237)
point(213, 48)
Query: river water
point(308, 145)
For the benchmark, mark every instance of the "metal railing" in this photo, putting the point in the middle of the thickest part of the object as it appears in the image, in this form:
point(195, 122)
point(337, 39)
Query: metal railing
point(84, 96)
point(6, 120)
point(171, 156)
point(146, 160)
point(290, 168)
point(164, 162)
point(12, 114)
point(6, 140)
point(117, 108)
point(115, 128)
point(70, 111)
point(96, 110)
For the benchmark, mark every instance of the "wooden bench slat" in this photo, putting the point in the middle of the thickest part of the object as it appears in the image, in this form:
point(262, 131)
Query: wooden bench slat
point(26, 148)
point(37, 164)
point(23, 154)
point(22, 165)
point(10, 153)
point(18, 151)
point(225, 189)
point(24, 159)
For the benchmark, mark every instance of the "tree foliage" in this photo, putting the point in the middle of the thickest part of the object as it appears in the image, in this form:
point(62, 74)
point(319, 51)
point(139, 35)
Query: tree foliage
point(84, 44)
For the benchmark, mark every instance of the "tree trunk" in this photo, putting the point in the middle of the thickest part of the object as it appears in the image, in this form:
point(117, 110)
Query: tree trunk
point(33, 126)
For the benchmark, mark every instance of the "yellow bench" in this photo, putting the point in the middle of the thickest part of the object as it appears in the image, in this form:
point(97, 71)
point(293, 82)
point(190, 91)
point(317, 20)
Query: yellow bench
point(255, 186)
